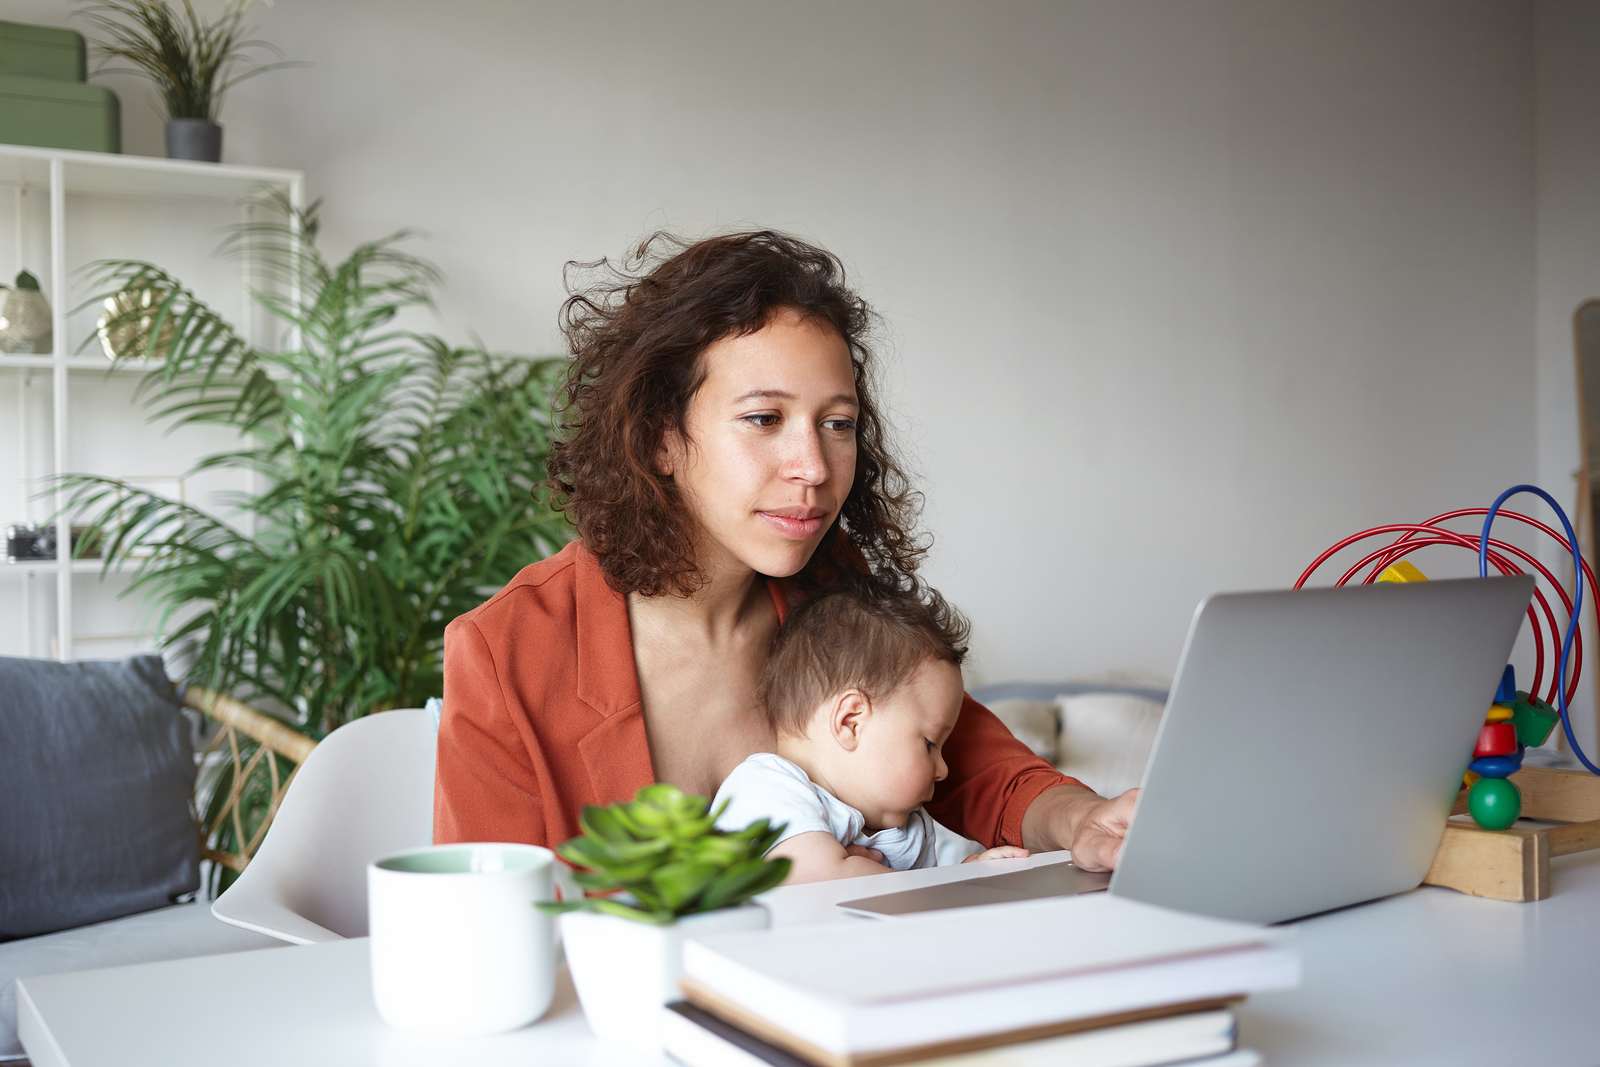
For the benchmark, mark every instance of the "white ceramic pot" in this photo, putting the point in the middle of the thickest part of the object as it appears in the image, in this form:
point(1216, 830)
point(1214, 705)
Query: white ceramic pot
point(625, 970)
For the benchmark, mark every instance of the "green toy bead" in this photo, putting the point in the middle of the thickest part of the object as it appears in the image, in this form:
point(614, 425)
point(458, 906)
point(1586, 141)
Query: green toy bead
point(1533, 719)
point(1494, 803)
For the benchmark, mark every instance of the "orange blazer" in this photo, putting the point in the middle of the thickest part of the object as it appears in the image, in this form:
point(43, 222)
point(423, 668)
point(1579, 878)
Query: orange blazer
point(542, 716)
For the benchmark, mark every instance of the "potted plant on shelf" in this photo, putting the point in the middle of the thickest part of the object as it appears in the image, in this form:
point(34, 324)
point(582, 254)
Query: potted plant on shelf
point(388, 483)
point(193, 62)
point(665, 873)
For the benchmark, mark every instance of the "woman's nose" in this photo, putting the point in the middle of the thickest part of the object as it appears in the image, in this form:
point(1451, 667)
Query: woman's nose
point(805, 461)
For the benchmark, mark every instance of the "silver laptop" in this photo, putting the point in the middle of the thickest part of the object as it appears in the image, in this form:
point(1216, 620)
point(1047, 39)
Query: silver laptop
point(1308, 757)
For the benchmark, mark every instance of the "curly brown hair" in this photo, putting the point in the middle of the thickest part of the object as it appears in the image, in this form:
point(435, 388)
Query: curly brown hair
point(636, 331)
point(869, 638)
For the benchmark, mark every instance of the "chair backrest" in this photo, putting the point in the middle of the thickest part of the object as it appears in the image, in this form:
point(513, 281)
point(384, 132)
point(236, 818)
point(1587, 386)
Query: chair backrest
point(365, 791)
point(219, 800)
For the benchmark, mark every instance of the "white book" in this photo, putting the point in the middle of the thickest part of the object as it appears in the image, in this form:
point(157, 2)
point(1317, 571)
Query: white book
point(698, 1039)
point(861, 987)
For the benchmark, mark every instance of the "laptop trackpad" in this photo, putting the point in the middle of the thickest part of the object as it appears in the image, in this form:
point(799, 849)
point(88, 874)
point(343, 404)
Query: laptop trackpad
point(1052, 880)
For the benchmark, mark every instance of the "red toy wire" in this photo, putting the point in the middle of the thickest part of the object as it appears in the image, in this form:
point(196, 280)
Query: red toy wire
point(1413, 536)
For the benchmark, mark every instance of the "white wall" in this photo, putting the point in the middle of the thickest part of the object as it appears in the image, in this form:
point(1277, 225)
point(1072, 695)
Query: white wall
point(1568, 198)
point(1178, 293)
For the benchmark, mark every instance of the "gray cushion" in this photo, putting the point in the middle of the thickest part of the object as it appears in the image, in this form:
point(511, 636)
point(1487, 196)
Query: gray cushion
point(96, 768)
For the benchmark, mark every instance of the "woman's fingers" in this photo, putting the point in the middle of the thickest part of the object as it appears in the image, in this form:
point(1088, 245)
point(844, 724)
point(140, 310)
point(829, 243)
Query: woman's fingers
point(1098, 843)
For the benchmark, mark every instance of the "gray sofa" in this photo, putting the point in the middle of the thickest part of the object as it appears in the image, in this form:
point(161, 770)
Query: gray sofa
point(99, 858)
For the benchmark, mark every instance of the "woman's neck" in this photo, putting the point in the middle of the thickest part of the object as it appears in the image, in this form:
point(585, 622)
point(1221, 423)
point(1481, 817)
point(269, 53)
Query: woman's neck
point(714, 610)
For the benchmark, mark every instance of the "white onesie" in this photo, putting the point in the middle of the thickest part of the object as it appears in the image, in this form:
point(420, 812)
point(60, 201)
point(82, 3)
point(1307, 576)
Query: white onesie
point(767, 786)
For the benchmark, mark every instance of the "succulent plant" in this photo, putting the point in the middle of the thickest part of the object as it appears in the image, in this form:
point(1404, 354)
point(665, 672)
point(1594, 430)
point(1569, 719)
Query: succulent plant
point(663, 849)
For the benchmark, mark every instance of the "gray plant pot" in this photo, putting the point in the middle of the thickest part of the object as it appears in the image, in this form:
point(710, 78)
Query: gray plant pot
point(194, 139)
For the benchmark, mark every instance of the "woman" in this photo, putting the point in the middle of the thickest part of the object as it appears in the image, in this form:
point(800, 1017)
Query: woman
point(723, 458)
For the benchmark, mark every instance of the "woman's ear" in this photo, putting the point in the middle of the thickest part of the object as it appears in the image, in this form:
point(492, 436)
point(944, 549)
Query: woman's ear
point(849, 713)
point(670, 453)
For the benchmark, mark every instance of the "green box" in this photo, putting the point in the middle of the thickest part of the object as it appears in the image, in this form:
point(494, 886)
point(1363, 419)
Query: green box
point(57, 114)
point(42, 52)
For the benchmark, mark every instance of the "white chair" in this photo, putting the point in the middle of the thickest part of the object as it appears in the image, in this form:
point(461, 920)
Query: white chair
point(365, 791)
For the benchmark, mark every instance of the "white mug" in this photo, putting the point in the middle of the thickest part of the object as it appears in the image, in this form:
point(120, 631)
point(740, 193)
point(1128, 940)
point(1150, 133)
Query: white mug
point(458, 945)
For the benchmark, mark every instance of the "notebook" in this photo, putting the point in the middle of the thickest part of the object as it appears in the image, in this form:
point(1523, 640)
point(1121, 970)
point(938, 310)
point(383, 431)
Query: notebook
point(846, 990)
point(700, 1039)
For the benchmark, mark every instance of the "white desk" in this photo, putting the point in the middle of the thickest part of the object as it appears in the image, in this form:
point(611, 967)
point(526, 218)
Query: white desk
point(1427, 977)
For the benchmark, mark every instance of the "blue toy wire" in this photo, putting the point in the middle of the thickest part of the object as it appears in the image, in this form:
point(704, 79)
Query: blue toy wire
point(1577, 600)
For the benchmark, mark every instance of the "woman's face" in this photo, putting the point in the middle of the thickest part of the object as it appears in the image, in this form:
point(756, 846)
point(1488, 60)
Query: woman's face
point(771, 446)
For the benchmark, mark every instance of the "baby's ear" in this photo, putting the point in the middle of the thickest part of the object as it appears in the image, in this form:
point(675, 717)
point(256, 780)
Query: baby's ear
point(846, 715)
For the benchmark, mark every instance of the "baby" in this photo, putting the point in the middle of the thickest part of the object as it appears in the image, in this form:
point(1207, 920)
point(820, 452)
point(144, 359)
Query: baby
point(862, 690)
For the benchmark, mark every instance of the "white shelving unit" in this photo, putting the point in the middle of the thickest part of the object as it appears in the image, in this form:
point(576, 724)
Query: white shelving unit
point(99, 206)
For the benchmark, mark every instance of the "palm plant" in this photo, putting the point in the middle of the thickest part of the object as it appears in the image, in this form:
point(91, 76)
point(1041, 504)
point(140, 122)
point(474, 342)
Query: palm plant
point(395, 471)
point(193, 62)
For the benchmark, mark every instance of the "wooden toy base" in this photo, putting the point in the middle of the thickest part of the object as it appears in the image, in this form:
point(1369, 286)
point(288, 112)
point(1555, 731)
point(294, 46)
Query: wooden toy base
point(1514, 864)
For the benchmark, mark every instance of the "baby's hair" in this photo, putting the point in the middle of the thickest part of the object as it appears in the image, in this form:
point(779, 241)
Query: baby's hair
point(869, 638)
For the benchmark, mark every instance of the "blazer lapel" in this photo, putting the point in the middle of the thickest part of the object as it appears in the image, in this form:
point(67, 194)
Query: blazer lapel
point(616, 752)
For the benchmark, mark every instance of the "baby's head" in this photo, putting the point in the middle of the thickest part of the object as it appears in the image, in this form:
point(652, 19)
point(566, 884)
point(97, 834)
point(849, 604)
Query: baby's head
point(863, 686)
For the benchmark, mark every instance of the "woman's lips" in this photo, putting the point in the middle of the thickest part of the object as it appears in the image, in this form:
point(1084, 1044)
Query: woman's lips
point(797, 524)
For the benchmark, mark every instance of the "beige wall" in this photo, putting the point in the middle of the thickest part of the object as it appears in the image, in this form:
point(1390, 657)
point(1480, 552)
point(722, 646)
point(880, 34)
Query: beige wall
point(1177, 293)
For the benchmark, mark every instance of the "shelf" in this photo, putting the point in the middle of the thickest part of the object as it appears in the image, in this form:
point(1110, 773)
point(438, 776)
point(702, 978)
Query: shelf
point(115, 174)
point(48, 566)
point(56, 191)
point(80, 364)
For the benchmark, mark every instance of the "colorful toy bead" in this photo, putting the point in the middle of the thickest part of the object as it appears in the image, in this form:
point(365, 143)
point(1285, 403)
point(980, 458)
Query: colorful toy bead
point(1498, 713)
point(1494, 803)
point(1534, 719)
point(1467, 779)
point(1507, 693)
point(1496, 739)
point(1496, 766)
point(1402, 572)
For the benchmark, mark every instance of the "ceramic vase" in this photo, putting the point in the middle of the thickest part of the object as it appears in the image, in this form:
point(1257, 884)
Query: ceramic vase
point(199, 139)
point(624, 971)
point(27, 327)
point(124, 330)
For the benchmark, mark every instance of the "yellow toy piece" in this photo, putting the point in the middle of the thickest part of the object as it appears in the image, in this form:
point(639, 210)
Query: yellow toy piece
point(1467, 780)
point(1404, 571)
point(1498, 713)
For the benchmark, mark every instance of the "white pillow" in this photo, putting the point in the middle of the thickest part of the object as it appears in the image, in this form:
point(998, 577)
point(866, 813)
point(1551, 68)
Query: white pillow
point(1106, 739)
point(1036, 723)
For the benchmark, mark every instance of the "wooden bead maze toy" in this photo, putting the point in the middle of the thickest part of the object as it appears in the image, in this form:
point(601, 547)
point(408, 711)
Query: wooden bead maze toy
point(1492, 856)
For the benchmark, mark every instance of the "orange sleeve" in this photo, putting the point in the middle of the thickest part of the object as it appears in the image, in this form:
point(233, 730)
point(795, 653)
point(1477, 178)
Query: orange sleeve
point(993, 778)
point(485, 788)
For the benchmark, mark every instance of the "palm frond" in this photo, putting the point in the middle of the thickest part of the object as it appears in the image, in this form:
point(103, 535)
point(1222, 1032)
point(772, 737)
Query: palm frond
point(395, 472)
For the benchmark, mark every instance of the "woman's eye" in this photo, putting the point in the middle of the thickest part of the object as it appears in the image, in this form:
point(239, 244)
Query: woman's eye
point(764, 419)
point(840, 425)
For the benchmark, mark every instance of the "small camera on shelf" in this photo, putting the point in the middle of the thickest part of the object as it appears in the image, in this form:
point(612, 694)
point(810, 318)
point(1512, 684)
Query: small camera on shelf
point(30, 542)
point(25, 543)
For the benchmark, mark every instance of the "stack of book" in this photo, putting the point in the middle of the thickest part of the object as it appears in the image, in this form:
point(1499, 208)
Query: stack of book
point(1087, 981)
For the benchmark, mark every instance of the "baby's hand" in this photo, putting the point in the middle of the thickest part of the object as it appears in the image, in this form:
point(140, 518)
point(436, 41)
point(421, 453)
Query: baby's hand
point(1004, 852)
